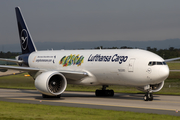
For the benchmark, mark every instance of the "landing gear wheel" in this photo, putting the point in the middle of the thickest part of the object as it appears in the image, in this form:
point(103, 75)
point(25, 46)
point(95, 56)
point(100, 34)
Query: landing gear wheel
point(98, 93)
point(110, 92)
point(148, 97)
point(104, 92)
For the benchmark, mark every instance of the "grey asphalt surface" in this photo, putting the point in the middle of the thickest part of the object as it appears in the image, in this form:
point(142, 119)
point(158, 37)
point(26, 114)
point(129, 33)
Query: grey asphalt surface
point(162, 104)
point(10, 72)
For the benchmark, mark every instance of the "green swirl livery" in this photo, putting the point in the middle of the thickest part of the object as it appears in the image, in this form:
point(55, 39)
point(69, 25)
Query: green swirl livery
point(71, 60)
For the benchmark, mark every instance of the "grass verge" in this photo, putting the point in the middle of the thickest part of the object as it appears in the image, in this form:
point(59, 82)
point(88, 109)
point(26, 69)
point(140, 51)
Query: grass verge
point(174, 65)
point(21, 111)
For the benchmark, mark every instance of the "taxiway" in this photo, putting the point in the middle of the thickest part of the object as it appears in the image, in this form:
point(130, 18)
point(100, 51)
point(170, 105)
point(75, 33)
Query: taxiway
point(162, 104)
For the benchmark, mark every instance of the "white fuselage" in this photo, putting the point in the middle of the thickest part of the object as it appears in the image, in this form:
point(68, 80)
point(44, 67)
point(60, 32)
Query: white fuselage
point(107, 67)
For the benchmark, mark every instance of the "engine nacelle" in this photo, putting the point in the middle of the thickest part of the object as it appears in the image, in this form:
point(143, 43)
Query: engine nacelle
point(51, 83)
point(153, 88)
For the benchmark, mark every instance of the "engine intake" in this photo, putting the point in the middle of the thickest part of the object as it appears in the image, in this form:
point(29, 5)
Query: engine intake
point(51, 83)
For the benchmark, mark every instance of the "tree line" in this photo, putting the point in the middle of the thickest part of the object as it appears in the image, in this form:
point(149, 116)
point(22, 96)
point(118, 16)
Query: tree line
point(164, 53)
point(9, 54)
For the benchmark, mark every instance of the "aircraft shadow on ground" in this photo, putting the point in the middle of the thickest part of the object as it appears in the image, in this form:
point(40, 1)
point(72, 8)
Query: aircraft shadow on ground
point(124, 96)
point(116, 96)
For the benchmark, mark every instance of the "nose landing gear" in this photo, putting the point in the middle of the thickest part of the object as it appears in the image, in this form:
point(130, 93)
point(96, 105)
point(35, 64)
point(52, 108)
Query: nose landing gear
point(148, 97)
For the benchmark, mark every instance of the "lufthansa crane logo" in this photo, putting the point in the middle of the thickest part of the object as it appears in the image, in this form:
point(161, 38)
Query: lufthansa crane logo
point(24, 39)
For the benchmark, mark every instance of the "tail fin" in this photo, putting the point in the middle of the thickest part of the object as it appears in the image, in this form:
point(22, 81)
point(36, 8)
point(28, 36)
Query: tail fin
point(27, 44)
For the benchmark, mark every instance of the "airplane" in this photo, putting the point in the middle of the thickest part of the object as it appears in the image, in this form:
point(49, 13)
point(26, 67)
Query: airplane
point(52, 70)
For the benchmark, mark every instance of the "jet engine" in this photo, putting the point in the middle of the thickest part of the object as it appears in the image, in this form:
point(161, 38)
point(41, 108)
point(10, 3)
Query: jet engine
point(51, 83)
point(153, 88)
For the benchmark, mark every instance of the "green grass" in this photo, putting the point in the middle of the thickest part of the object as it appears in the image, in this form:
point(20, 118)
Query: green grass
point(174, 65)
point(171, 87)
point(17, 81)
point(21, 111)
point(174, 75)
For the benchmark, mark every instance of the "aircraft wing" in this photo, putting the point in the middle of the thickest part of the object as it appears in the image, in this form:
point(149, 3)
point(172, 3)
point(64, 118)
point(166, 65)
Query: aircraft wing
point(172, 59)
point(71, 75)
point(174, 70)
point(11, 60)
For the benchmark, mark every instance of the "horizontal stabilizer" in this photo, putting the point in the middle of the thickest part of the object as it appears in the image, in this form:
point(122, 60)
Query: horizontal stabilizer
point(172, 59)
point(27, 69)
point(11, 60)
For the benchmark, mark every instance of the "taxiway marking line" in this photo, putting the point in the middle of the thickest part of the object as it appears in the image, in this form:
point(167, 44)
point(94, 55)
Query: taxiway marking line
point(94, 104)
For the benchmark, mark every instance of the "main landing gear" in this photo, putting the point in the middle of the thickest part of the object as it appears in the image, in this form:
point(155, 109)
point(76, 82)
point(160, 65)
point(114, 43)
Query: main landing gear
point(148, 97)
point(104, 92)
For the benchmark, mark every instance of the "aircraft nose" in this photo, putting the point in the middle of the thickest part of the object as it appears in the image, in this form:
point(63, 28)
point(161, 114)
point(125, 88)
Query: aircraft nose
point(164, 72)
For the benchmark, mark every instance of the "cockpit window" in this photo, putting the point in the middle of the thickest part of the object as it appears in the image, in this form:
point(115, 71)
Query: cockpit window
point(154, 63)
point(159, 63)
point(151, 63)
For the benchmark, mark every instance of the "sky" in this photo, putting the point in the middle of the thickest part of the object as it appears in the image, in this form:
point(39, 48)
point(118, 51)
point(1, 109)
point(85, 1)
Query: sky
point(91, 20)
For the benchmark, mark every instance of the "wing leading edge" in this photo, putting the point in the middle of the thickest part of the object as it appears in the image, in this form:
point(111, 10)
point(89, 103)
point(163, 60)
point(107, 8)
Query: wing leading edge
point(172, 59)
point(73, 75)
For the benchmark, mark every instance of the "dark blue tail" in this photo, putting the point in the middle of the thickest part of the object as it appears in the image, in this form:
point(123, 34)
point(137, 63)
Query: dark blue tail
point(27, 44)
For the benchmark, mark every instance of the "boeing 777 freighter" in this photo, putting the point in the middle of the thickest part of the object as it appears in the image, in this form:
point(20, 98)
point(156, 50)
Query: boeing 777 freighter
point(53, 69)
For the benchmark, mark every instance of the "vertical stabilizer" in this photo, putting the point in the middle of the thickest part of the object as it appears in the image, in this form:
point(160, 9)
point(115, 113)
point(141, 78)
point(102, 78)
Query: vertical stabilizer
point(26, 41)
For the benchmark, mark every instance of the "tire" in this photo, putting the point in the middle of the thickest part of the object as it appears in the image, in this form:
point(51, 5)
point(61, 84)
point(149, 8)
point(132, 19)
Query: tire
point(98, 93)
point(107, 93)
point(150, 97)
point(112, 92)
point(104, 93)
point(145, 97)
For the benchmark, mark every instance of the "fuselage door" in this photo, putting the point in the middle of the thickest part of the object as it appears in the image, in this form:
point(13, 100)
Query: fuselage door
point(131, 65)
